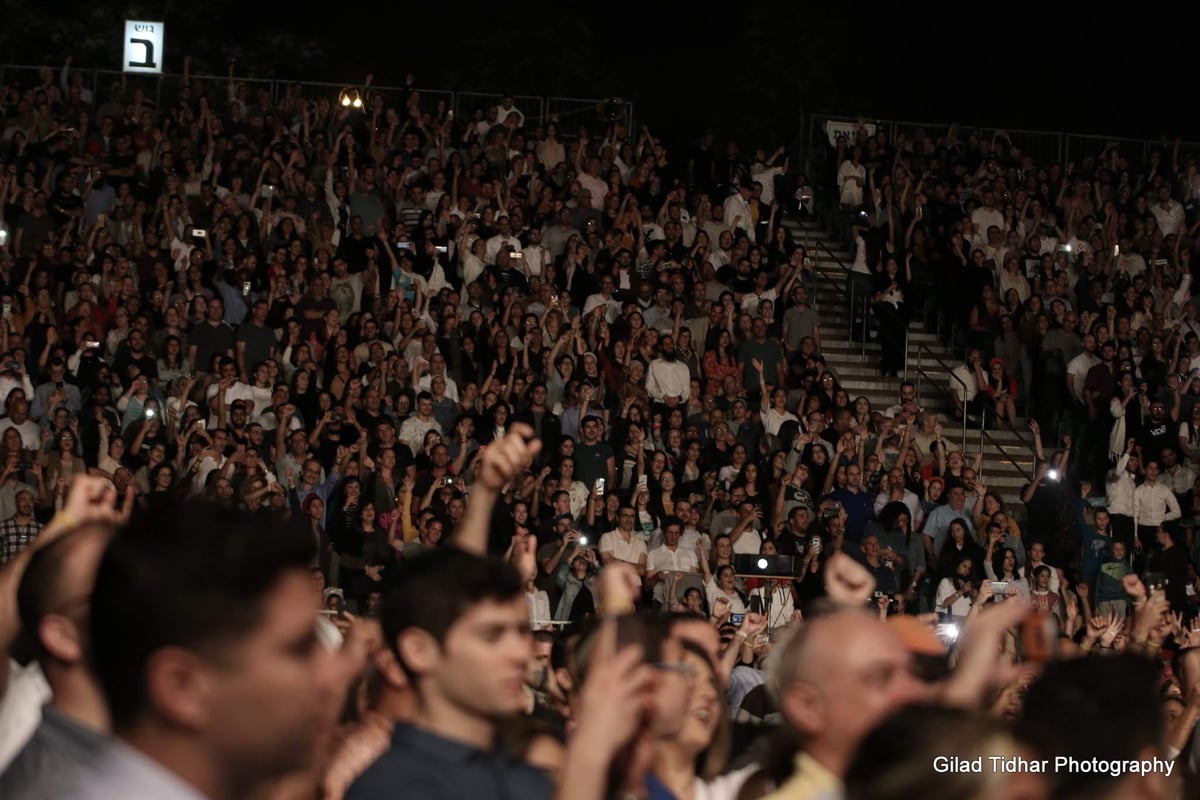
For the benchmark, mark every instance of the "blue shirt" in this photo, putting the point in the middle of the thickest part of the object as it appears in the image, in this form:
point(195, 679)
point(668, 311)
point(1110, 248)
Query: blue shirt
point(860, 509)
point(425, 765)
point(937, 524)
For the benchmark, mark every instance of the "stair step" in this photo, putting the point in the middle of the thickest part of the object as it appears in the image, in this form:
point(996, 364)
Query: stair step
point(856, 367)
point(915, 333)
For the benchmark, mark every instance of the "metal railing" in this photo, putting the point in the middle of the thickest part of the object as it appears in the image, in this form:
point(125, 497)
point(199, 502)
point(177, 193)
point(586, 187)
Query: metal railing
point(163, 91)
point(846, 289)
point(983, 431)
point(922, 373)
point(1044, 146)
point(984, 434)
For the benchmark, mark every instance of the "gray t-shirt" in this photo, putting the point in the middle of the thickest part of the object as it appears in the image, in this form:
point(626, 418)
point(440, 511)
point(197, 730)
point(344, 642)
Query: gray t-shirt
point(799, 323)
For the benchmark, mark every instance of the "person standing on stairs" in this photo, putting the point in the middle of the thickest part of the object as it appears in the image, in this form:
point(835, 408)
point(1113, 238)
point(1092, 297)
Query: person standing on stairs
point(968, 388)
point(861, 283)
point(891, 313)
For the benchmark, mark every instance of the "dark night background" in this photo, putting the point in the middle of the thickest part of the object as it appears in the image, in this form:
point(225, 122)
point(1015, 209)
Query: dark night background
point(748, 71)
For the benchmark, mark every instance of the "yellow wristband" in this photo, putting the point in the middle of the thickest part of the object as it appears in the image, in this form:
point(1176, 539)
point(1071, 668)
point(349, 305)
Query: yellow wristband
point(66, 519)
point(610, 609)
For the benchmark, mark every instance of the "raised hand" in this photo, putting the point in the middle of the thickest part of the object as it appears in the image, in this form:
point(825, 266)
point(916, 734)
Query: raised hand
point(506, 458)
point(847, 582)
point(753, 624)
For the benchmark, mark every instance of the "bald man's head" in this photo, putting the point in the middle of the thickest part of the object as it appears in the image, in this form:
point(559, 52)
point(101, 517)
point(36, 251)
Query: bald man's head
point(838, 677)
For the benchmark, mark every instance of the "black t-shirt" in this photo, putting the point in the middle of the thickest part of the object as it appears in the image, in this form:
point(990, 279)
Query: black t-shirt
point(210, 340)
point(591, 462)
point(1155, 436)
point(61, 203)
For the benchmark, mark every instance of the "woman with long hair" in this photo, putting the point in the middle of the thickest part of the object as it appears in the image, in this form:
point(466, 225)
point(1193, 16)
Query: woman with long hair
point(1002, 388)
point(960, 545)
point(1000, 564)
point(690, 763)
point(720, 362)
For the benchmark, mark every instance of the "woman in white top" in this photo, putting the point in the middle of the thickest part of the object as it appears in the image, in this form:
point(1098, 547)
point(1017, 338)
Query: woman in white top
point(689, 762)
point(774, 411)
point(955, 593)
point(550, 151)
point(851, 178)
point(576, 489)
point(722, 586)
point(1005, 568)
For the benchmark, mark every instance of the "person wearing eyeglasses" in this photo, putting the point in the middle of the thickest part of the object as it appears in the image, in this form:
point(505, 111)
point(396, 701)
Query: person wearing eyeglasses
point(622, 544)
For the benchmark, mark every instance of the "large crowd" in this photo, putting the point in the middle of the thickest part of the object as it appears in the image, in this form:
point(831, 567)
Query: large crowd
point(352, 451)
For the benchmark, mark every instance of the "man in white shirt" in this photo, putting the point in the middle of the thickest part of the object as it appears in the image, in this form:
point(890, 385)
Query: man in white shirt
point(1167, 213)
point(604, 297)
point(668, 380)
point(1120, 484)
point(231, 386)
point(501, 240)
point(1180, 477)
point(737, 210)
point(894, 491)
point(210, 459)
point(668, 558)
point(413, 431)
point(593, 184)
point(987, 216)
point(1153, 505)
point(507, 109)
point(1079, 366)
point(967, 384)
point(535, 254)
point(1129, 261)
point(437, 366)
point(18, 417)
point(622, 544)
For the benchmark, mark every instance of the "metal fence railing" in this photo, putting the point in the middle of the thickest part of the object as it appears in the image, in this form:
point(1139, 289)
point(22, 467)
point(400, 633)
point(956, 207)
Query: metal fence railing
point(1044, 147)
point(164, 90)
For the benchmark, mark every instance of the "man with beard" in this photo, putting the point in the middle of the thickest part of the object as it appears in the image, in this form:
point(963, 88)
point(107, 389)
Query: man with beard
point(668, 381)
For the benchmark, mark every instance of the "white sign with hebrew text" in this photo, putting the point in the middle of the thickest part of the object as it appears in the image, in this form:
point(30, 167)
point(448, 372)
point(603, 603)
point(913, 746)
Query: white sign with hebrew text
point(143, 47)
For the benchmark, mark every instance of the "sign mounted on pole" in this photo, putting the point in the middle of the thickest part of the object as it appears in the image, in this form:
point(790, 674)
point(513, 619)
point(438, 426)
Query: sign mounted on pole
point(143, 47)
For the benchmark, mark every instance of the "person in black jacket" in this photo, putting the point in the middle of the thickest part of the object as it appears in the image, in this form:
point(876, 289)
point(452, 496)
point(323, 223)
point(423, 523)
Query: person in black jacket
point(545, 423)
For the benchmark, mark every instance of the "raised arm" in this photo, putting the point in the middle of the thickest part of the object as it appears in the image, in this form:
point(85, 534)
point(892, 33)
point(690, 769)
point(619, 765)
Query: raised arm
point(502, 462)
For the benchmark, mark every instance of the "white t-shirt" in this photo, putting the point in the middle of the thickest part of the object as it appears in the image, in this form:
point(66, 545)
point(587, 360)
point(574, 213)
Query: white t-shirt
point(961, 607)
point(714, 592)
point(749, 543)
point(20, 708)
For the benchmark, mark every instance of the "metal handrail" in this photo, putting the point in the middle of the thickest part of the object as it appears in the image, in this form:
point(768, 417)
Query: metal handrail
point(983, 433)
point(848, 296)
point(920, 370)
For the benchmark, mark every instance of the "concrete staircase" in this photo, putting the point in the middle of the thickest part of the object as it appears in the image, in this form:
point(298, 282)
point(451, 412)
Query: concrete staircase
point(929, 363)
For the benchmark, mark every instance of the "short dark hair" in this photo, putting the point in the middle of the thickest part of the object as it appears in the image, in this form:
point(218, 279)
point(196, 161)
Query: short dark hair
point(1116, 699)
point(194, 574)
point(437, 588)
point(44, 586)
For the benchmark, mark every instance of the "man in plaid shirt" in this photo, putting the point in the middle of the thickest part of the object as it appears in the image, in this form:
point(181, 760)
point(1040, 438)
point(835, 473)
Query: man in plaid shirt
point(20, 529)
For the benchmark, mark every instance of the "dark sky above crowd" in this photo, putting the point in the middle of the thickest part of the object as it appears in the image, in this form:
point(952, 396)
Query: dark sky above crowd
point(750, 69)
